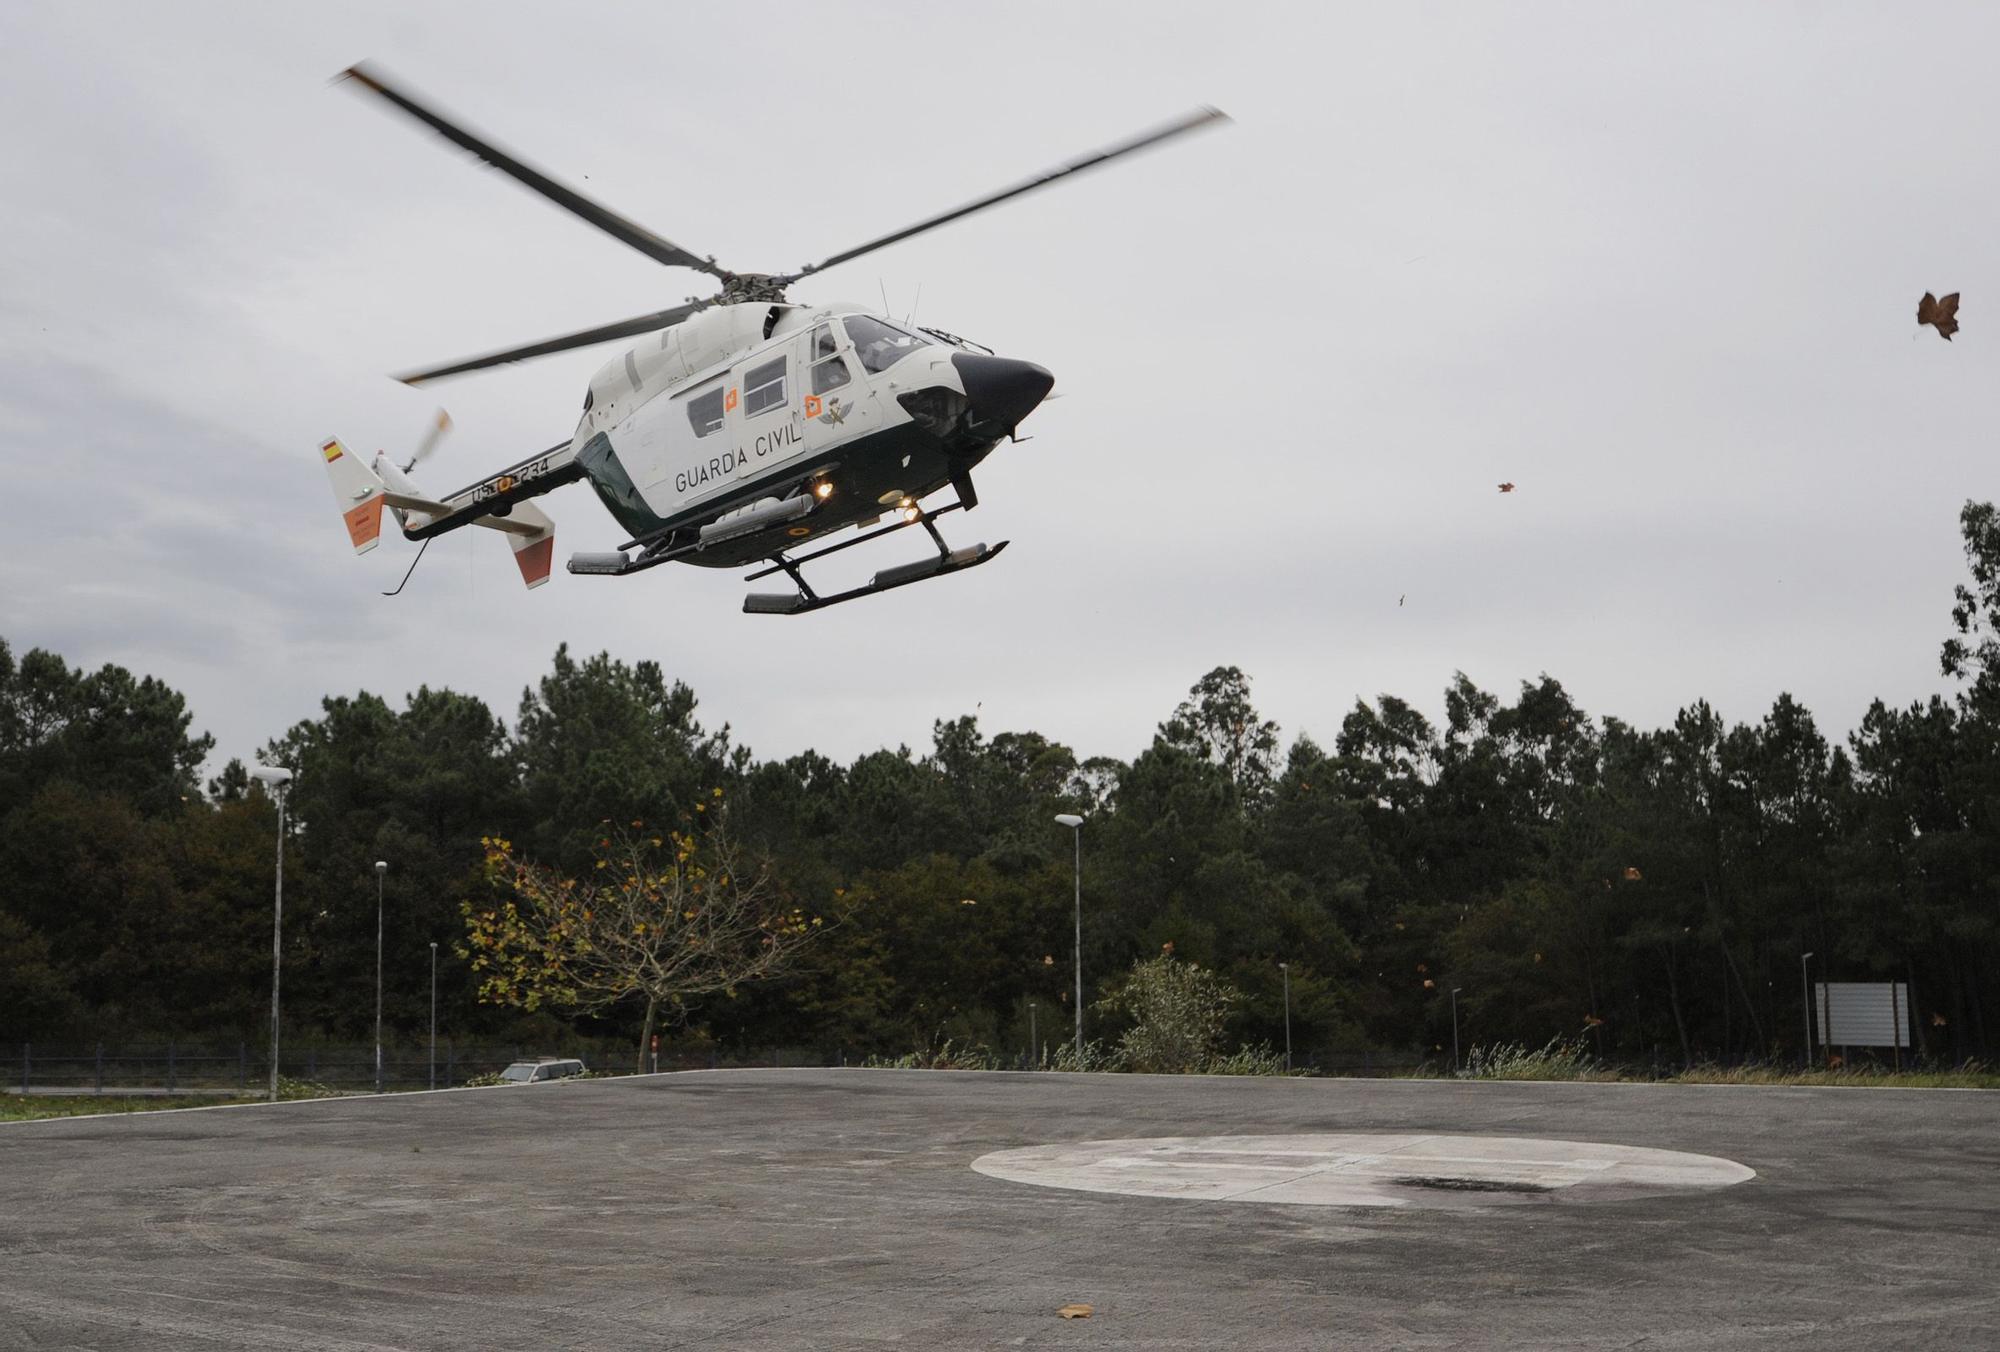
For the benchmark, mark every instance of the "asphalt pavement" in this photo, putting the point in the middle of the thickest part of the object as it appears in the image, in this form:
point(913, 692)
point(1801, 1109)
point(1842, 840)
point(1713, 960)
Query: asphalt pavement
point(841, 1209)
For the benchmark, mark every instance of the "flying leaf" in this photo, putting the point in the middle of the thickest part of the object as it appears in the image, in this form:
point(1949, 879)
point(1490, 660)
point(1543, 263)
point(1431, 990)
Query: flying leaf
point(1631, 875)
point(1507, 488)
point(1941, 315)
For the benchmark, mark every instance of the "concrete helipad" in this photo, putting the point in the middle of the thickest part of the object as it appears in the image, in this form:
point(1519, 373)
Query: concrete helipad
point(843, 1209)
point(1378, 1169)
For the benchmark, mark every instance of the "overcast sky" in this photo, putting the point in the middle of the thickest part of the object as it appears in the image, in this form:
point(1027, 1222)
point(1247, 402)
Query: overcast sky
point(1656, 265)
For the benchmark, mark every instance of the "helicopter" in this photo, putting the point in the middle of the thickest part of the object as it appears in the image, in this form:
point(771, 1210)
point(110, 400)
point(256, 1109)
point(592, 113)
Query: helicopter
point(745, 428)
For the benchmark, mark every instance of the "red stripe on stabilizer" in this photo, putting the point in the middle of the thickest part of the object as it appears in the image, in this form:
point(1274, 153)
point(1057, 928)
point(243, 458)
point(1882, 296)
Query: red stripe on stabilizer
point(536, 560)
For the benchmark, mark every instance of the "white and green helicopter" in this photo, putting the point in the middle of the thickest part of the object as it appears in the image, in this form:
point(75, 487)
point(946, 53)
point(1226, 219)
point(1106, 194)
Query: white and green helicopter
point(745, 428)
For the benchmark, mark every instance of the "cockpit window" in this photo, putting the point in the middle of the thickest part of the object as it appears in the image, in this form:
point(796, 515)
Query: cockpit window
point(823, 342)
point(705, 412)
point(878, 344)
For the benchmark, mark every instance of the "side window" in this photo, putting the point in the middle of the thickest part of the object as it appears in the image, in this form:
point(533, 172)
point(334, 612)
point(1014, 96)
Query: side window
point(830, 374)
point(829, 370)
point(705, 412)
point(764, 388)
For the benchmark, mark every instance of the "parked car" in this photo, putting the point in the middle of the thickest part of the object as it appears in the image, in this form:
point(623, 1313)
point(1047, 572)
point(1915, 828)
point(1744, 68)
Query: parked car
point(542, 1071)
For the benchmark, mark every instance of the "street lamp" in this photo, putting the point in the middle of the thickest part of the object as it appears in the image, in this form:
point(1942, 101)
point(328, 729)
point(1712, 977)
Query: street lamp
point(434, 1014)
point(1075, 824)
point(1286, 969)
point(1454, 1028)
point(1034, 1039)
point(1805, 992)
point(275, 779)
point(381, 867)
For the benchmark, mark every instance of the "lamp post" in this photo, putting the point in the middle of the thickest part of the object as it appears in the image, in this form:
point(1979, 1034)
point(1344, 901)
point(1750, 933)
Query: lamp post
point(1454, 1028)
point(275, 779)
point(1075, 824)
point(1285, 968)
point(434, 1014)
point(381, 868)
point(1805, 993)
point(1034, 1040)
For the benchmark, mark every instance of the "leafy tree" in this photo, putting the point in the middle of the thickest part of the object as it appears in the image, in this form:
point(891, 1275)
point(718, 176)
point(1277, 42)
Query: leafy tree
point(1217, 722)
point(599, 740)
point(664, 919)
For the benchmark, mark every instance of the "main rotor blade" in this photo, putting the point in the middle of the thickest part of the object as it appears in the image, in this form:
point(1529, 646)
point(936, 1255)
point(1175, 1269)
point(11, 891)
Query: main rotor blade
point(654, 246)
point(624, 328)
point(1199, 118)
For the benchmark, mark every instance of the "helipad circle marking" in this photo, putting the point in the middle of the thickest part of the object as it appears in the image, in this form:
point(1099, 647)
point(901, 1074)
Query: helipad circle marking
point(1365, 1169)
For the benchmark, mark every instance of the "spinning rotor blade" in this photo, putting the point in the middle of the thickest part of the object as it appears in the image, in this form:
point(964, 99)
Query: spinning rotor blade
point(654, 246)
point(625, 328)
point(439, 426)
point(1199, 118)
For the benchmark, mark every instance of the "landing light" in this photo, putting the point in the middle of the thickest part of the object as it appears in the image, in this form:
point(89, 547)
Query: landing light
point(822, 490)
point(910, 512)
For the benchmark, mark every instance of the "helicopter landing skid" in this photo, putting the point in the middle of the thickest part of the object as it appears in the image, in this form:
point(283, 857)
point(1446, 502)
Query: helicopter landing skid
point(948, 560)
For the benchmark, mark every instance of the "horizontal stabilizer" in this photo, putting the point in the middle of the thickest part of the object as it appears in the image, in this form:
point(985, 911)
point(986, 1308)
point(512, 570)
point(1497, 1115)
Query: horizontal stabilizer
point(404, 502)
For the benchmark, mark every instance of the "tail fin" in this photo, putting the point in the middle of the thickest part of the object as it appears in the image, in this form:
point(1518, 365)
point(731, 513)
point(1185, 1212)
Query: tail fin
point(357, 493)
point(362, 491)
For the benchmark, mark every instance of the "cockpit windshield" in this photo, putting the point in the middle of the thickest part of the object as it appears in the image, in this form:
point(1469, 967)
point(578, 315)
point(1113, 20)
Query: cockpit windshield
point(880, 345)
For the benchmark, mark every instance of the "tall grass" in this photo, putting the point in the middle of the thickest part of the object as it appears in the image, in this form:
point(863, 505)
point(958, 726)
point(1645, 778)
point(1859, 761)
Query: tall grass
point(1971, 1075)
point(1555, 1060)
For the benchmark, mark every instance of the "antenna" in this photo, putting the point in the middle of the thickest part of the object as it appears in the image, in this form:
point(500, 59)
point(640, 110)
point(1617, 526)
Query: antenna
point(911, 317)
point(885, 295)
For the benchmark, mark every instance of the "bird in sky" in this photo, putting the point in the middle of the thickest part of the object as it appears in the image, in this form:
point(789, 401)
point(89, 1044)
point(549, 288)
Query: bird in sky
point(1941, 315)
point(1506, 488)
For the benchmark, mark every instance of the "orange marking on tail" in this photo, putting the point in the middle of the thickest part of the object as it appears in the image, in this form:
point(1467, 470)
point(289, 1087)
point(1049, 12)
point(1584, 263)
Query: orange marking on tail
point(536, 560)
point(364, 523)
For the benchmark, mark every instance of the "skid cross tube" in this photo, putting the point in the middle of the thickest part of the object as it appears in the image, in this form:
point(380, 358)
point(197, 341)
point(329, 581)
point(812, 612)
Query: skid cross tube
point(948, 560)
point(780, 563)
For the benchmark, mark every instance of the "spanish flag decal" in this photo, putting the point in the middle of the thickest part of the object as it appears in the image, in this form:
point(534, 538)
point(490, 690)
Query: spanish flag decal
point(331, 450)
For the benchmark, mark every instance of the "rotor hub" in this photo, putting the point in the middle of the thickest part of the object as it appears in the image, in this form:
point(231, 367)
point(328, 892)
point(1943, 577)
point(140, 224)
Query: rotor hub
point(739, 288)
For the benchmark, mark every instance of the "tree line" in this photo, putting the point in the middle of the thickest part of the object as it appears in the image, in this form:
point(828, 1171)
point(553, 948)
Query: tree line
point(1650, 891)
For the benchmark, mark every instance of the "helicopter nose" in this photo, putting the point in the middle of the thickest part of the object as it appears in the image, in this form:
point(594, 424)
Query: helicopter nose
point(1000, 391)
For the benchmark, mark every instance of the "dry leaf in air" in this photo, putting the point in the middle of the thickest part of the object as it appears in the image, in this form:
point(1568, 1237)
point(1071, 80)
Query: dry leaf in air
point(1075, 1311)
point(1941, 315)
point(1631, 875)
point(1508, 487)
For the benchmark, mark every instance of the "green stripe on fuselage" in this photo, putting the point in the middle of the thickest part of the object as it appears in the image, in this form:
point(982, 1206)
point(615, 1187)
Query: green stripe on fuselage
point(615, 488)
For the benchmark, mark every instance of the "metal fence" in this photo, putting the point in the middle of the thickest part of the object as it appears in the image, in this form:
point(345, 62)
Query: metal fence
point(212, 1068)
point(209, 1068)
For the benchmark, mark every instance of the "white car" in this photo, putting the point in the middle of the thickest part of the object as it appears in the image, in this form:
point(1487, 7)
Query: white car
point(541, 1072)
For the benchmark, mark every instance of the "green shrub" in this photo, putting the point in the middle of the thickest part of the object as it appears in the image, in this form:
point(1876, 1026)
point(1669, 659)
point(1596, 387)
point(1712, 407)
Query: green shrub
point(1095, 1056)
point(943, 1056)
point(1177, 1011)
